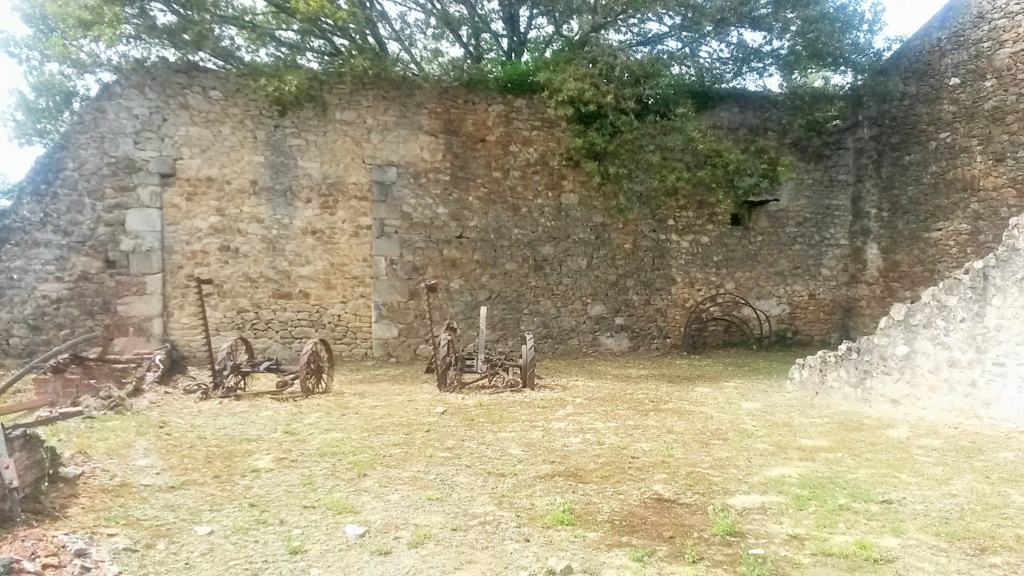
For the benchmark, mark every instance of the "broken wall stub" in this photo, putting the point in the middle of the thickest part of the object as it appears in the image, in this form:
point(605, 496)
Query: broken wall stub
point(81, 247)
point(956, 351)
point(35, 462)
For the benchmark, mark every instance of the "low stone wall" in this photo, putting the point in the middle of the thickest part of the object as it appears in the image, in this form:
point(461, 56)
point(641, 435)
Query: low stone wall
point(958, 349)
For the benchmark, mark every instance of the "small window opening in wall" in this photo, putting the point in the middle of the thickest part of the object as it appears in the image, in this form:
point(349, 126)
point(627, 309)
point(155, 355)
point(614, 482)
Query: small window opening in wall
point(757, 217)
point(736, 219)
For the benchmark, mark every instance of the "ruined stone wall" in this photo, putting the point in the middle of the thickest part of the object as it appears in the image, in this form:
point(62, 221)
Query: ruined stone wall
point(326, 221)
point(80, 248)
point(956, 351)
point(276, 211)
point(936, 170)
point(547, 256)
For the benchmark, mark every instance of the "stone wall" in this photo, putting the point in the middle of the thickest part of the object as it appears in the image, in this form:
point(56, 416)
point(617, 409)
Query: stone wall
point(326, 221)
point(957, 350)
point(936, 170)
point(556, 261)
point(80, 248)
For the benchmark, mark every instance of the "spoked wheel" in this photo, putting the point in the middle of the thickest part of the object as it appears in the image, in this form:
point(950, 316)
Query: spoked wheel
point(316, 367)
point(231, 356)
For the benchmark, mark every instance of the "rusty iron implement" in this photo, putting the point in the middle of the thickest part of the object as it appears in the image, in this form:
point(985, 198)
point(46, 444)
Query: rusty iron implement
point(456, 370)
point(235, 363)
point(200, 282)
point(723, 318)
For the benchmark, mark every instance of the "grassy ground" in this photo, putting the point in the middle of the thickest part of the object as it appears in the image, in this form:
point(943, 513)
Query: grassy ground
point(620, 466)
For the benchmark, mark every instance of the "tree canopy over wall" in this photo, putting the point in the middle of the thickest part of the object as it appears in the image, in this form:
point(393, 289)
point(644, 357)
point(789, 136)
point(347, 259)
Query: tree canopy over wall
point(628, 74)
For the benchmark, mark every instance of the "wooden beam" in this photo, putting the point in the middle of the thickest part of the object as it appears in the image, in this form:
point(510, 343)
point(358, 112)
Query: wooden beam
point(26, 405)
point(65, 415)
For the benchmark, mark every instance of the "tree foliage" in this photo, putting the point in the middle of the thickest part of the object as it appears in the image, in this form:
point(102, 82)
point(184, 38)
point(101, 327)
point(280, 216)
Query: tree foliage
point(8, 190)
point(617, 68)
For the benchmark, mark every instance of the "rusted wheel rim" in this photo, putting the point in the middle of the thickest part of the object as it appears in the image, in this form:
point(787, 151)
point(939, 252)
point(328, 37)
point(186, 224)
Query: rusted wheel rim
point(316, 367)
point(234, 351)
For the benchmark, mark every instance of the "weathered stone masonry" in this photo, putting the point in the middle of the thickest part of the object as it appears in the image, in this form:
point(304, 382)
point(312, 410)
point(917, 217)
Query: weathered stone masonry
point(954, 348)
point(325, 221)
point(939, 171)
point(81, 249)
point(957, 350)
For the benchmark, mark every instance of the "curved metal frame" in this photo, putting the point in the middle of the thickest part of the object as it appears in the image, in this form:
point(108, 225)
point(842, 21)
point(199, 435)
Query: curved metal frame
point(722, 308)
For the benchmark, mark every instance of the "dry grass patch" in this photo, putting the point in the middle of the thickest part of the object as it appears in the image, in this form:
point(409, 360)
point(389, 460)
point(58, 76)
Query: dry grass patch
point(635, 465)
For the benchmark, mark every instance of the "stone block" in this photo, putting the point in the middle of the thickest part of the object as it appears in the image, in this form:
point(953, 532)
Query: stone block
point(385, 173)
point(143, 220)
point(146, 179)
point(380, 192)
point(163, 166)
point(88, 265)
point(150, 196)
point(156, 328)
point(387, 247)
point(148, 306)
point(385, 291)
point(147, 241)
point(384, 331)
point(145, 263)
point(386, 210)
point(360, 307)
point(155, 284)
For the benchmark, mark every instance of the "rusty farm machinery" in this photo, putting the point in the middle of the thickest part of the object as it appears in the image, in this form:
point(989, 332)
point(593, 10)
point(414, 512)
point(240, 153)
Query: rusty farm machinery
point(723, 319)
point(456, 369)
point(235, 364)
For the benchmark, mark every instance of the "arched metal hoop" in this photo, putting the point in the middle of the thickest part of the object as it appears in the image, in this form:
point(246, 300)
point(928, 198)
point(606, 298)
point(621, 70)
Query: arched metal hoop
point(731, 310)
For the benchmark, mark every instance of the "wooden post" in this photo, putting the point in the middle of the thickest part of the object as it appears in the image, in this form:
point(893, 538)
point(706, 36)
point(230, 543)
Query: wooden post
point(481, 344)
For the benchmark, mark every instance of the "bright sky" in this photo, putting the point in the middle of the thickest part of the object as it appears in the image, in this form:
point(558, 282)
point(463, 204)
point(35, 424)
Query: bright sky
point(905, 17)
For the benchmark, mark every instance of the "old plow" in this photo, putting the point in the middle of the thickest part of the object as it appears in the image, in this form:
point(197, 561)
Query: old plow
point(456, 369)
point(235, 365)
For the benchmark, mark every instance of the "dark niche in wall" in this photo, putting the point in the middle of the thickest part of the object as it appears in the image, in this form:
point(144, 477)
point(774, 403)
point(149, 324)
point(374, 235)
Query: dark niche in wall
point(748, 214)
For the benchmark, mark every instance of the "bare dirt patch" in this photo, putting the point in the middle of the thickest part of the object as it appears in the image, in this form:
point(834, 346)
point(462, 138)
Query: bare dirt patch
point(620, 466)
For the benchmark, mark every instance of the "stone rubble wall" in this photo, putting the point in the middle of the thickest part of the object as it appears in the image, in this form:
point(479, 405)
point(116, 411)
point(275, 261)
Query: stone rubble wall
point(939, 169)
point(956, 350)
point(325, 222)
point(81, 247)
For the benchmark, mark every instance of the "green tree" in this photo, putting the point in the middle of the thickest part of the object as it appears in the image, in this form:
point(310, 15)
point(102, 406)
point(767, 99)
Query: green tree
point(628, 74)
point(7, 190)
